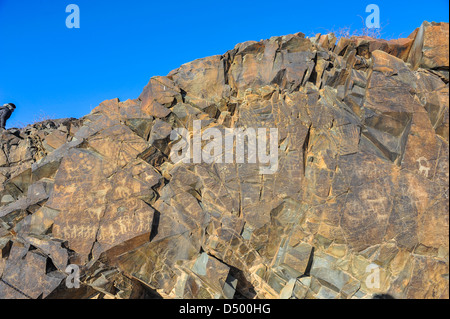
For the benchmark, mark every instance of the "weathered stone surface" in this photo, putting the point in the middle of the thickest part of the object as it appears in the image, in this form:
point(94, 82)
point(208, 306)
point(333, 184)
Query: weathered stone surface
point(430, 49)
point(399, 48)
point(360, 193)
point(28, 270)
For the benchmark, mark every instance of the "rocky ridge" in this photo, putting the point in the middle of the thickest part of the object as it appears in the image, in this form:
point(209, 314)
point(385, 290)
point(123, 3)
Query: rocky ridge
point(362, 186)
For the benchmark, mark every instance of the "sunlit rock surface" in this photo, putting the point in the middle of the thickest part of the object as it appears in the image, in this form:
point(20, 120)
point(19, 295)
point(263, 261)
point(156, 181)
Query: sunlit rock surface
point(358, 206)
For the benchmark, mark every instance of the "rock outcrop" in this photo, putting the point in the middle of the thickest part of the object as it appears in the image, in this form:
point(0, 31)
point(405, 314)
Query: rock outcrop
point(358, 206)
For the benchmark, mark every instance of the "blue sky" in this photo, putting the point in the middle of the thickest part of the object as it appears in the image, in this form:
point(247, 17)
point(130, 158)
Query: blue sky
point(47, 69)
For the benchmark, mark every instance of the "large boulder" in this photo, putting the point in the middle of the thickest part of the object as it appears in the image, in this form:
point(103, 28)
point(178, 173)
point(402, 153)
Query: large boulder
point(356, 205)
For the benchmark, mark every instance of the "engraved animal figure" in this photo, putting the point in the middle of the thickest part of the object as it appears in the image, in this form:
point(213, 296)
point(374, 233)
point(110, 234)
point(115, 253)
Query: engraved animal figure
point(423, 169)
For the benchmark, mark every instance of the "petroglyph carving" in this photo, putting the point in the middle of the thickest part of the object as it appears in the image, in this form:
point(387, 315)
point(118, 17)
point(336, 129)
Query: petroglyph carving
point(424, 168)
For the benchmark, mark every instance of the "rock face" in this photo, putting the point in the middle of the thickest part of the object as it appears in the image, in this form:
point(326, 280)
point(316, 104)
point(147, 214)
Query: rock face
point(358, 206)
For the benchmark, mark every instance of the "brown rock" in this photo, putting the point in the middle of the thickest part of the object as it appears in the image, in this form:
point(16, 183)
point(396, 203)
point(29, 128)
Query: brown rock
point(430, 48)
point(361, 186)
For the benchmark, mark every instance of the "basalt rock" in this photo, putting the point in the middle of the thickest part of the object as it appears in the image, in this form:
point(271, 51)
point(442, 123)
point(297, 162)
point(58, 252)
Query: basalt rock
point(358, 206)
